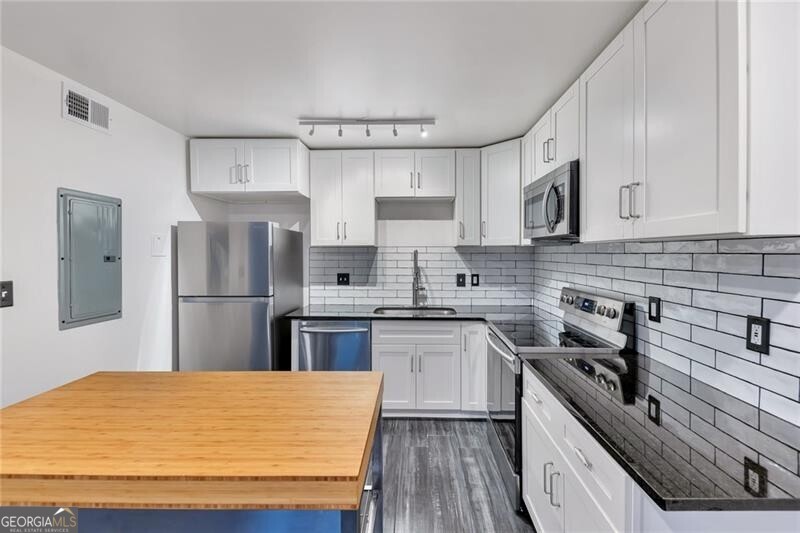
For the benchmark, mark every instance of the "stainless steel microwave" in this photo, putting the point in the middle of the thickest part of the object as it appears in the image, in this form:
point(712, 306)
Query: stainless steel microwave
point(552, 205)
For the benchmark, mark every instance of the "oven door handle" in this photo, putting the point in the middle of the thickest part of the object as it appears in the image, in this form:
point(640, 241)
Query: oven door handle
point(509, 360)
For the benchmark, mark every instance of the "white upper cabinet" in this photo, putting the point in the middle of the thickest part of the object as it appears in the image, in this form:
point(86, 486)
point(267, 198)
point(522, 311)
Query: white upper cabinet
point(394, 174)
point(415, 174)
point(526, 152)
point(606, 142)
point(358, 198)
point(688, 179)
point(261, 168)
point(468, 198)
point(342, 198)
point(542, 147)
point(565, 127)
point(501, 194)
point(436, 173)
point(216, 165)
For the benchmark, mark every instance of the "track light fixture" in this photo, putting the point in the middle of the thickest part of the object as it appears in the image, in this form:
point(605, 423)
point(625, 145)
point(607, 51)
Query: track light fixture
point(368, 123)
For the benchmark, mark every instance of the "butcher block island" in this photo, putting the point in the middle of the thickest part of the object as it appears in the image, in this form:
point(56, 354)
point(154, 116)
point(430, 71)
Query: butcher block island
point(267, 449)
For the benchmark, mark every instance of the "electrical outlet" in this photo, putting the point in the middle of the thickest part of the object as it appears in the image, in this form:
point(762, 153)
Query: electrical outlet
point(654, 309)
point(755, 478)
point(343, 278)
point(758, 334)
point(476, 280)
point(6, 293)
point(654, 410)
point(461, 280)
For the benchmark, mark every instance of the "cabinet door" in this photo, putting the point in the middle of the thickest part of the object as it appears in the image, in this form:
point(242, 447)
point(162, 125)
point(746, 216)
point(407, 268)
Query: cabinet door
point(542, 147)
point(501, 194)
point(398, 364)
point(436, 173)
point(358, 198)
point(326, 198)
point(394, 174)
point(565, 118)
point(473, 367)
point(526, 152)
point(438, 377)
point(214, 165)
point(583, 515)
point(540, 475)
point(606, 144)
point(468, 197)
point(270, 165)
point(687, 120)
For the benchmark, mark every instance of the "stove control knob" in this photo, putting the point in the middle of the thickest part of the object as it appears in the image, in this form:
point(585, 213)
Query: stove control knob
point(601, 379)
point(601, 310)
point(611, 312)
point(569, 299)
point(611, 386)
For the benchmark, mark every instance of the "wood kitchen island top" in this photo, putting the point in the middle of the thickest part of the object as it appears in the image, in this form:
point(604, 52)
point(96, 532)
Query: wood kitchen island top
point(193, 440)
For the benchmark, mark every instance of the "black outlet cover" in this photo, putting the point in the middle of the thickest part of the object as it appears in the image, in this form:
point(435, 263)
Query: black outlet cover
point(343, 278)
point(755, 478)
point(654, 410)
point(654, 309)
point(476, 280)
point(758, 334)
point(461, 280)
point(6, 293)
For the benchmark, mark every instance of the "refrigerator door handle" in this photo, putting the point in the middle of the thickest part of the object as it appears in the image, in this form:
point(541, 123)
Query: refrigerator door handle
point(224, 299)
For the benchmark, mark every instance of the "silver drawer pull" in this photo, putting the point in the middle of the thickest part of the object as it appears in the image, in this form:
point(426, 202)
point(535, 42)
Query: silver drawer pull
point(582, 457)
point(535, 397)
point(544, 477)
point(552, 491)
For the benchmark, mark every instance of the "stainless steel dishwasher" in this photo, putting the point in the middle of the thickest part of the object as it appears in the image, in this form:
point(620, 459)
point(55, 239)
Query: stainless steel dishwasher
point(331, 345)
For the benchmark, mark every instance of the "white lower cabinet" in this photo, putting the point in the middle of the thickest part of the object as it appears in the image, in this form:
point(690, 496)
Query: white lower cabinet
point(430, 365)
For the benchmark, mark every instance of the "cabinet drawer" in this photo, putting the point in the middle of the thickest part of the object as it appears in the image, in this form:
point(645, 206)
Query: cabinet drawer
point(416, 332)
point(544, 405)
point(602, 477)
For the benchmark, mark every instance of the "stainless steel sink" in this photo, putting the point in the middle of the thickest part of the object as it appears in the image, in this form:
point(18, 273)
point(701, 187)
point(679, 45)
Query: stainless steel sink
point(415, 311)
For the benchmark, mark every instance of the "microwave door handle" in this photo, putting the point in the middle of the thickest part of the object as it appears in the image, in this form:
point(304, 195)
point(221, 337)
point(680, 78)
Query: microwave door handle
point(550, 225)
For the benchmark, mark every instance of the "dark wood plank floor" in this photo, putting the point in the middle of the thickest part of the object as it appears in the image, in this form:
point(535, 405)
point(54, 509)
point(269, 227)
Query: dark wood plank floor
point(439, 476)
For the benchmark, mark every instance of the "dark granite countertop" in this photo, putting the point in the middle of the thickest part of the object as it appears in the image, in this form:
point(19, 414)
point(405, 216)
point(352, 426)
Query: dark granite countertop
point(367, 312)
point(676, 466)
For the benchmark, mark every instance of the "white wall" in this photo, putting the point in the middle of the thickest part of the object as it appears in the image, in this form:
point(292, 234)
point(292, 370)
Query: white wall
point(141, 162)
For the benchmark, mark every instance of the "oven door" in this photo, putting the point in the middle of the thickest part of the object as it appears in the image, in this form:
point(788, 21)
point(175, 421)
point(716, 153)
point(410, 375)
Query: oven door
point(503, 402)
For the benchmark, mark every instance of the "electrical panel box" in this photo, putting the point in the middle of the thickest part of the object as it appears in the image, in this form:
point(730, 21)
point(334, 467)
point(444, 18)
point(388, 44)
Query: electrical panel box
point(90, 258)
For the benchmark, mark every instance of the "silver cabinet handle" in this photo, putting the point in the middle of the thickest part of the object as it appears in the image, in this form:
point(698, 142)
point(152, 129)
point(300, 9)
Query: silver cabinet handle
point(419, 180)
point(419, 363)
point(631, 211)
point(553, 492)
point(461, 229)
point(544, 152)
point(412, 364)
point(337, 231)
point(535, 397)
point(465, 343)
point(549, 156)
point(345, 230)
point(544, 477)
point(245, 174)
point(483, 228)
point(411, 175)
point(621, 187)
point(582, 457)
point(233, 174)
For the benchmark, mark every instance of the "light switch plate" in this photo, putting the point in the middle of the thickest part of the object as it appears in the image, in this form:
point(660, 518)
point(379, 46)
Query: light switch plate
point(476, 280)
point(6, 293)
point(758, 334)
point(654, 309)
point(755, 478)
point(654, 410)
point(461, 280)
point(343, 278)
point(158, 245)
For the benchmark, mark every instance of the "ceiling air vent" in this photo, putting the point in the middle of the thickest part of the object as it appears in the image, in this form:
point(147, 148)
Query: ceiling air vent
point(81, 106)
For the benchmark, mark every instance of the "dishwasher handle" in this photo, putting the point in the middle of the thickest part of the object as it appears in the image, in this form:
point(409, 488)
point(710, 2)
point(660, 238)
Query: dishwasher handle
point(333, 330)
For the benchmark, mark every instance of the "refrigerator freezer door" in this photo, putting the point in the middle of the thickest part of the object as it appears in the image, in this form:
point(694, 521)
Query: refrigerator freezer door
point(333, 345)
point(224, 259)
point(225, 334)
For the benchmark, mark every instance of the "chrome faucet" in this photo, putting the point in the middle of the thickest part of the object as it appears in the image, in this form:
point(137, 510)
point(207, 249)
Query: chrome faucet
point(416, 284)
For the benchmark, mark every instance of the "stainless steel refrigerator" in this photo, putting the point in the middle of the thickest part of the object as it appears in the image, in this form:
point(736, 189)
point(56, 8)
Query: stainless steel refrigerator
point(234, 281)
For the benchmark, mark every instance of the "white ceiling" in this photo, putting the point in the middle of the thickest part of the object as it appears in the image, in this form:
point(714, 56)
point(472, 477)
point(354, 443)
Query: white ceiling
point(484, 70)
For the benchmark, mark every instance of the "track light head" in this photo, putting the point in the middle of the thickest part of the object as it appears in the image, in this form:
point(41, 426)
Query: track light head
point(340, 130)
point(394, 130)
point(368, 132)
point(311, 131)
point(422, 131)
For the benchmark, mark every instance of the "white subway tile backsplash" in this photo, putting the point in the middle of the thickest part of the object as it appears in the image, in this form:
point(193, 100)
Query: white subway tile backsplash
point(643, 247)
point(729, 263)
point(783, 360)
point(785, 337)
point(747, 392)
point(783, 312)
point(692, 280)
point(671, 261)
point(688, 349)
point(677, 247)
point(729, 303)
point(781, 407)
point(782, 265)
point(630, 260)
point(767, 378)
point(778, 245)
point(725, 343)
point(692, 315)
point(761, 286)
